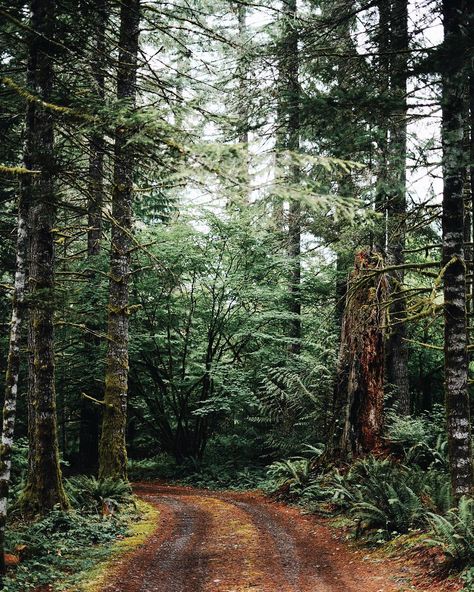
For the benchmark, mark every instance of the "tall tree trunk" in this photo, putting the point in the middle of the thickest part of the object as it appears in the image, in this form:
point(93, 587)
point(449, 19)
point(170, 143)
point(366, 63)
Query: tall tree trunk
point(339, 11)
point(242, 73)
point(26, 190)
point(44, 488)
point(13, 369)
point(289, 69)
point(242, 110)
point(359, 388)
point(455, 334)
point(469, 232)
point(97, 142)
point(112, 450)
point(396, 350)
point(243, 103)
point(379, 237)
point(90, 415)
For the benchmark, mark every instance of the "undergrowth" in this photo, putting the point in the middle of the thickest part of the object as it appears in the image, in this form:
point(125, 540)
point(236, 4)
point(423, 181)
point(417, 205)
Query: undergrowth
point(59, 547)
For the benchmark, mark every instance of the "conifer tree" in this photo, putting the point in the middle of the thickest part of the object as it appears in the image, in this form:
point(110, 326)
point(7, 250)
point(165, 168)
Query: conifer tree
point(454, 266)
point(89, 420)
point(44, 488)
point(112, 451)
point(396, 350)
point(288, 138)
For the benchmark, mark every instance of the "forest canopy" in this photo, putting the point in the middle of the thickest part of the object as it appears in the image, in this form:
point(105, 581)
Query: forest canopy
point(237, 235)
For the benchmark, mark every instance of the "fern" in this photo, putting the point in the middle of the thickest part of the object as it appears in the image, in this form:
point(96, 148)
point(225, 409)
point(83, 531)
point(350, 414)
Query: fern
point(377, 495)
point(395, 509)
point(98, 495)
point(293, 472)
point(454, 533)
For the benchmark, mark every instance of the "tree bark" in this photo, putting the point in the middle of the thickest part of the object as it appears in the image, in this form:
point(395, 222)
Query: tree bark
point(112, 449)
point(289, 67)
point(242, 199)
point(13, 370)
point(44, 488)
point(379, 235)
point(360, 381)
point(397, 350)
point(97, 142)
point(90, 414)
point(243, 103)
point(455, 333)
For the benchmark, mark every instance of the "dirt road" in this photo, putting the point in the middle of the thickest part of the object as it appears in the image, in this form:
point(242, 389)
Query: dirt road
point(242, 542)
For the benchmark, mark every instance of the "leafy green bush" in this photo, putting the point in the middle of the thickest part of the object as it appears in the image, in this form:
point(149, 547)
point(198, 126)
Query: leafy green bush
point(162, 466)
point(406, 431)
point(429, 456)
point(377, 495)
point(433, 487)
point(62, 543)
point(394, 508)
point(295, 477)
point(213, 473)
point(225, 476)
point(426, 431)
point(468, 578)
point(98, 496)
point(293, 472)
point(454, 532)
point(19, 466)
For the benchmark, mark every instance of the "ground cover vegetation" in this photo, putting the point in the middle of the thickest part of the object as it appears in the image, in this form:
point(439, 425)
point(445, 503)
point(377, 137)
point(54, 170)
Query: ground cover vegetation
point(237, 251)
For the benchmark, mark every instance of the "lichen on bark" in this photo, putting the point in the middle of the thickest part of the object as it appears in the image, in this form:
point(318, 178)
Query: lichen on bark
point(112, 449)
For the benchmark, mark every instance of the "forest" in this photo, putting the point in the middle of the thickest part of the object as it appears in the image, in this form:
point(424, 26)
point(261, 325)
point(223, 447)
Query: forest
point(236, 295)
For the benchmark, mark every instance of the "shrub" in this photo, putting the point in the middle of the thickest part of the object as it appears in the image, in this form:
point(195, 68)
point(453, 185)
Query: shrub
point(454, 533)
point(162, 466)
point(434, 488)
point(292, 472)
point(429, 456)
point(468, 579)
point(225, 476)
point(19, 466)
point(406, 431)
point(377, 495)
point(394, 509)
point(60, 544)
point(98, 496)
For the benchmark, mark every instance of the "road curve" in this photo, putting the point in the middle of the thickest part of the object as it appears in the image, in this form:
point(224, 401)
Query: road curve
point(240, 542)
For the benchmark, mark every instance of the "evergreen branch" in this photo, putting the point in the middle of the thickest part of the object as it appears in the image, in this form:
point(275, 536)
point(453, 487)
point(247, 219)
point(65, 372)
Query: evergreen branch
point(31, 98)
point(17, 170)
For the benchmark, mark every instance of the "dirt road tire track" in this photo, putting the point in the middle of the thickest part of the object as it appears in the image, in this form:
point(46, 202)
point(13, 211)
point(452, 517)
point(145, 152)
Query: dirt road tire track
point(240, 542)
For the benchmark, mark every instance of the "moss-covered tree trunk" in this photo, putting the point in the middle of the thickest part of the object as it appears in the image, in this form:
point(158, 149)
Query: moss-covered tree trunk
point(455, 332)
point(112, 450)
point(90, 413)
point(360, 380)
point(44, 488)
point(396, 349)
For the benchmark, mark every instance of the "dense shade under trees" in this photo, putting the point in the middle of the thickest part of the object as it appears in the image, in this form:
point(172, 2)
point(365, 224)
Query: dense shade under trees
point(231, 230)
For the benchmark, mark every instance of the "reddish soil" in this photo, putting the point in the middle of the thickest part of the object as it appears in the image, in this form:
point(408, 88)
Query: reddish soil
point(244, 542)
